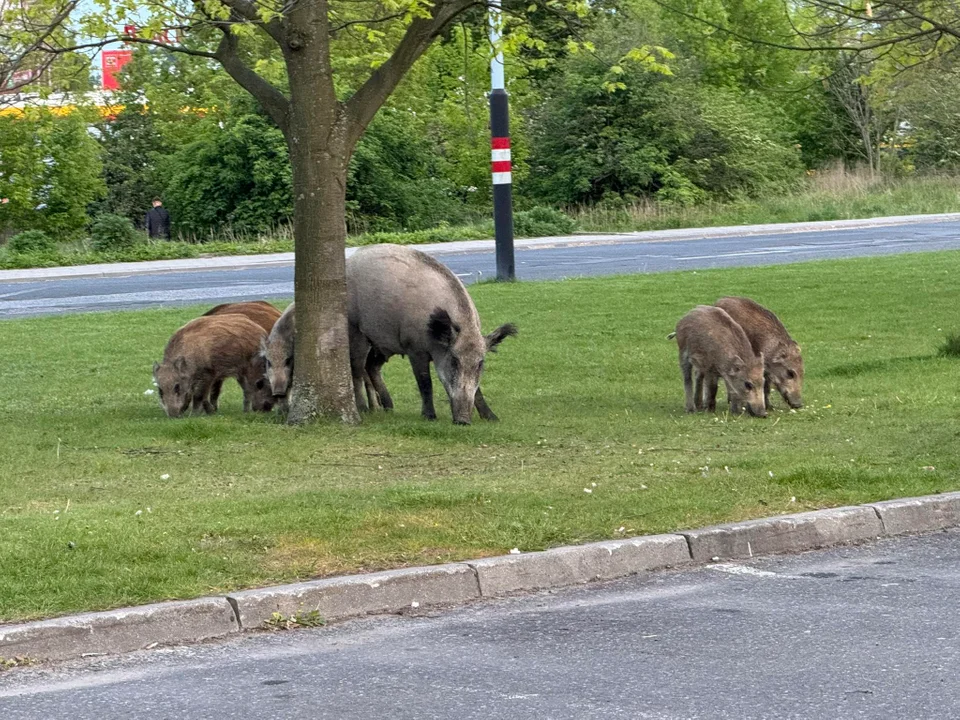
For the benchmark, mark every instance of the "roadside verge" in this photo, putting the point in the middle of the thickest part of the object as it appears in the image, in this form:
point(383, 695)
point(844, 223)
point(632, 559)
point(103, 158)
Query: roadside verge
point(393, 591)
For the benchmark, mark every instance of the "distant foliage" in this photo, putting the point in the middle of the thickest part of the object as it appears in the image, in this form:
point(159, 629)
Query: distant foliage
point(131, 148)
point(541, 222)
point(31, 241)
point(50, 170)
point(114, 232)
point(670, 137)
point(237, 176)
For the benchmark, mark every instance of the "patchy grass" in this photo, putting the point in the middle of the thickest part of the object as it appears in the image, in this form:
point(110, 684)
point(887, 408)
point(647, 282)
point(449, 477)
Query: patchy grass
point(106, 502)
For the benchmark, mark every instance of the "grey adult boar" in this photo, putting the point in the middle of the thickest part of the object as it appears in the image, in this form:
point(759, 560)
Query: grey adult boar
point(783, 365)
point(260, 311)
point(403, 302)
point(201, 355)
point(713, 346)
point(277, 353)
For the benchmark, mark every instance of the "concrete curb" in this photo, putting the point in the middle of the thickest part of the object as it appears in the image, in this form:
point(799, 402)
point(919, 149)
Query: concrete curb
point(785, 534)
point(343, 597)
point(578, 564)
point(118, 631)
point(394, 591)
point(238, 262)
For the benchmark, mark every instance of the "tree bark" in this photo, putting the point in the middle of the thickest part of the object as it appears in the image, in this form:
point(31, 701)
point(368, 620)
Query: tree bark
point(319, 154)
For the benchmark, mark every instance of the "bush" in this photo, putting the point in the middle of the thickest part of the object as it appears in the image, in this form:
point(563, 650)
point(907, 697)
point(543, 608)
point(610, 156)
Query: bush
point(32, 241)
point(542, 221)
point(113, 232)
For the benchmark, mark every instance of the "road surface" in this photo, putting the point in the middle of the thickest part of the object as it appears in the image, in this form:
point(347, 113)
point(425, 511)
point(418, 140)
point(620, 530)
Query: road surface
point(868, 632)
point(18, 299)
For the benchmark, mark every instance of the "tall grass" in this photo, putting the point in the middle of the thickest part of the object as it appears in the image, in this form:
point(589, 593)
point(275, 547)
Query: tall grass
point(836, 193)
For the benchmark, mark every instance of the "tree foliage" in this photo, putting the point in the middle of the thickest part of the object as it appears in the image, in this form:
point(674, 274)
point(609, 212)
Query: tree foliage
point(50, 171)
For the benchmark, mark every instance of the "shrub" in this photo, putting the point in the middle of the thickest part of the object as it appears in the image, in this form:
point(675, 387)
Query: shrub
point(113, 232)
point(542, 221)
point(32, 241)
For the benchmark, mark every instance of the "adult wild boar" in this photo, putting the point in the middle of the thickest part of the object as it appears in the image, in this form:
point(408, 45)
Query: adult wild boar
point(403, 302)
point(783, 365)
point(713, 346)
point(205, 352)
point(260, 311)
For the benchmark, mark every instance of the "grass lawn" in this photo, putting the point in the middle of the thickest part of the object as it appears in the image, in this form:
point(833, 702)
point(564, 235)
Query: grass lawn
point(106, 502)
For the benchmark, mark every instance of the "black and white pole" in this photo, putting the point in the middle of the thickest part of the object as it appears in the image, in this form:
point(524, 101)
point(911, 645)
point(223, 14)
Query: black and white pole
point(500, 164)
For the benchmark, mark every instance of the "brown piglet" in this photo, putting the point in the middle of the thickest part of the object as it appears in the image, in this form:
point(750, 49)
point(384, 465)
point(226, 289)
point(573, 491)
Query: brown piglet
point(783, 365)
point(260, 311)
point(204, 353)
point(713, 346)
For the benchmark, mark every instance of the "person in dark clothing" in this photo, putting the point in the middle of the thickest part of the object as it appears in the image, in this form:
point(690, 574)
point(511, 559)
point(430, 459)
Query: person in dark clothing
point(158, 221)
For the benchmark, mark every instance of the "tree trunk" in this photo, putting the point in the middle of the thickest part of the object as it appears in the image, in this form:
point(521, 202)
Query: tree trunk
point(319, 154)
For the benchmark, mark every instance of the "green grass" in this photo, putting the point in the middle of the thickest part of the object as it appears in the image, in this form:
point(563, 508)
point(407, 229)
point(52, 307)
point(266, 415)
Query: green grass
point(590, 399)
point(832, 195)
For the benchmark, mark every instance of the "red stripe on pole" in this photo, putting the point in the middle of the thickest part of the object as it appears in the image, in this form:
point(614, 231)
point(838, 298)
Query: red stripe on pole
point(500, 143)
point(500, 166)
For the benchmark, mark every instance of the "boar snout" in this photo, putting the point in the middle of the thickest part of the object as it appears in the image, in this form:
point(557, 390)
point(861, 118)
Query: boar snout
point(461, 407)
point(757, 410)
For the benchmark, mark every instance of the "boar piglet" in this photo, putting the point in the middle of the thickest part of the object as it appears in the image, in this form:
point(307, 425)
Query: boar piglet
point(204, 353)
point(783, 365)
point(713, 346)
point(260, 311)
point(277, 354)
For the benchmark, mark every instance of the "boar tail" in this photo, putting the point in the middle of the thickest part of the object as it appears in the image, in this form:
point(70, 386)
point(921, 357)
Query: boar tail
point(671, 336)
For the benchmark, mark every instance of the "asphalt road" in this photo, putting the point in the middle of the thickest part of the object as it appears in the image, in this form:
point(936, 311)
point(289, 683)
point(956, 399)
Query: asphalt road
point(867, 632)
point(19, 299)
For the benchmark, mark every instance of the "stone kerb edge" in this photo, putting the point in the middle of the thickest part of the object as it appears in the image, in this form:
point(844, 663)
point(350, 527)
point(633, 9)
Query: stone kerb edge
point(393, 591)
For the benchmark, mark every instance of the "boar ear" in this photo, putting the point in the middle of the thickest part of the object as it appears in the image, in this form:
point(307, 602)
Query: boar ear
point(441, 328)
point(156, 367)
point(760, 355)
point(180, 365)
point(736, 364)
point(499, 335)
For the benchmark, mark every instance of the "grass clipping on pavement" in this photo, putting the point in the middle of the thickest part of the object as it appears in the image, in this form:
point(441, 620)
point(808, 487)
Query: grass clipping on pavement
point(105, 502)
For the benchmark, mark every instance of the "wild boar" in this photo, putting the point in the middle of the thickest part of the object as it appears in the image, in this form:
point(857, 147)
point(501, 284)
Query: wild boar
point(403, 302)
point(260, 311)
point(201, 355)
point(783, 365)
point(277, 352)
point(713, 346)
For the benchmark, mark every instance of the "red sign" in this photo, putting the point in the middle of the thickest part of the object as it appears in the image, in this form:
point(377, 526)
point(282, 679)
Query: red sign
point(113, 61)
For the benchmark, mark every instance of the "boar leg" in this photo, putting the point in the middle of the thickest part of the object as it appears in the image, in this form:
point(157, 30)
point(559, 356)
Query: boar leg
point(359, 349)
point(698, 390)
point(766, 392)
point(375, 362)
point(215, 389)
point(485, 412)
point(686, 369)
point(420, 362)
point(373, 399)
point(711, 384)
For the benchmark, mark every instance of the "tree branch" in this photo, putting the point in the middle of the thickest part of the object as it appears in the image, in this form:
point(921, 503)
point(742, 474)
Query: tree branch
point(361, 107)
point(248, 11)
point(270, 98)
